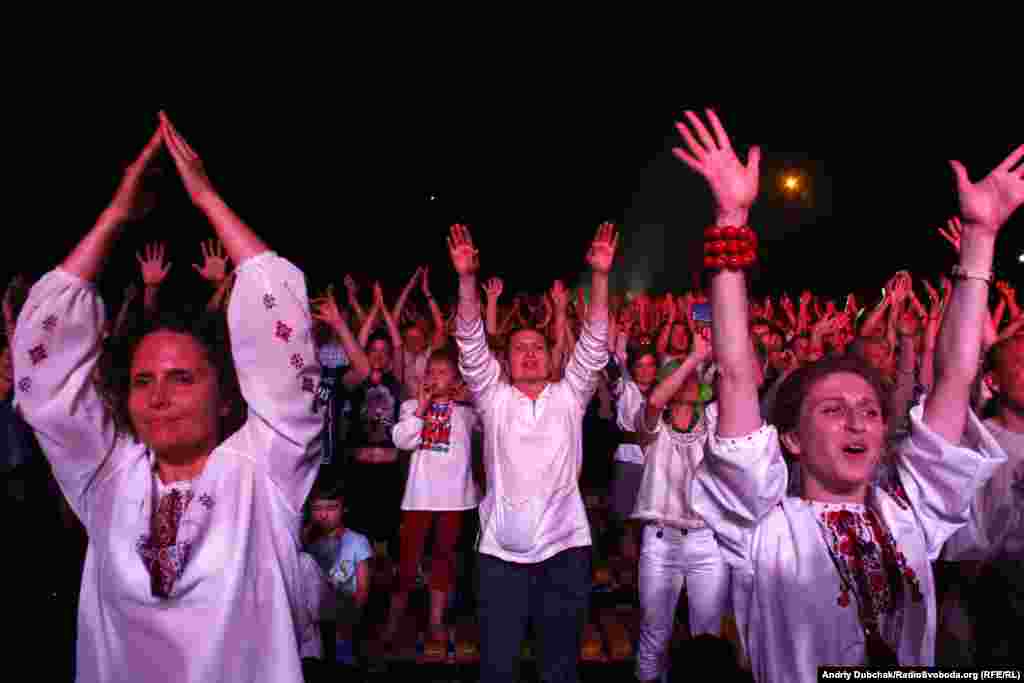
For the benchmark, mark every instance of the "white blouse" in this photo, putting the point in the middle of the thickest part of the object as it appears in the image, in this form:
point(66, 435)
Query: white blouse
point(533, 450)
point(440, 470)
point(234, 611)
point(669, 467)
point(787, 592)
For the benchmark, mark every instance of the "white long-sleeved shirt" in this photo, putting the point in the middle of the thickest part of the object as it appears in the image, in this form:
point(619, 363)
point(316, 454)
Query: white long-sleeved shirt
point(786, 589)
point(996, 527)
point(440, 472)
point(670, 464)
point(533, 450)
point(629, 404)
point(233, 613)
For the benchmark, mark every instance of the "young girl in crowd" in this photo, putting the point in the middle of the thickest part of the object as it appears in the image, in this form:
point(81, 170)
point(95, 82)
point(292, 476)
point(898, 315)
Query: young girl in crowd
point(440, 487)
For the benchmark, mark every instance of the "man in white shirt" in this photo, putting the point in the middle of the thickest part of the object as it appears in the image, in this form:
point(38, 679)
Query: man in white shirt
point(534, 541)
point(991, 546)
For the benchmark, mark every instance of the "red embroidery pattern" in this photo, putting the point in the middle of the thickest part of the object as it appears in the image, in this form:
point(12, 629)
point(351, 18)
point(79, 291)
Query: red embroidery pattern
point(297, 361)
point(161, 553)
point(269, 301)
point(283, 331)
point(307, 384)
point(25, 384)
point(869, 563)
point(437, 428)
point(37, 354)
point(49, 323)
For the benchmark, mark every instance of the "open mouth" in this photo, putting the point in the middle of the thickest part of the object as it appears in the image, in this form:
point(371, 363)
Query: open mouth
point(855, 449)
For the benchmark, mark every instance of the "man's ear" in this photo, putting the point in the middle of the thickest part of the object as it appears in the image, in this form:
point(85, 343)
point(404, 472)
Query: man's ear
point(791, 440)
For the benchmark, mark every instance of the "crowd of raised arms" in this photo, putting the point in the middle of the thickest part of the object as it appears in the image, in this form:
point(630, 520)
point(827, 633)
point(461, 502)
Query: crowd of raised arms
point(798, 467)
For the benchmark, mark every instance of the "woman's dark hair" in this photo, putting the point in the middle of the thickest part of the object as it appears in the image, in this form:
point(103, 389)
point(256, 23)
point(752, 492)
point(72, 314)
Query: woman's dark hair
point(795, 388)
point(210, 330)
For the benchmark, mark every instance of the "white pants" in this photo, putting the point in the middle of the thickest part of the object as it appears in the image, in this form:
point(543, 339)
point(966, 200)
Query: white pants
point(691, 558)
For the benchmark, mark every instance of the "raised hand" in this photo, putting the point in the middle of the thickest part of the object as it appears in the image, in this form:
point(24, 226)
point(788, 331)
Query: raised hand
point(702, 343)
point(668, 309)
point(325, 309)
point(560, 296)
point(907, 324)
point(378, 296)
point(494, 287)
point(424, 281)
point(1007, 292)
point(465, 257)
point(733, 184)
point(189, 165)
point(153, 268)
point(129, 201)
point(990, 202)
point(601, 254)
point(16, 284)
point(953, 232)
point(350, 285)
point(215, 263)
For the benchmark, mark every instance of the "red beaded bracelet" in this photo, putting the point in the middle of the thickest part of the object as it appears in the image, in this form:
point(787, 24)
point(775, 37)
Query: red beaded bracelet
point(729, 246)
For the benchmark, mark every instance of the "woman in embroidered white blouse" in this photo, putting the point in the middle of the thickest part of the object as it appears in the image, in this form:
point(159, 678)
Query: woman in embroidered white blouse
point(193, 571)
point(842, 575)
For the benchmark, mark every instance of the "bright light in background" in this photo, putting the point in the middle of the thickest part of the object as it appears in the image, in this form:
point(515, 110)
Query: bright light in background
point(791, 183)
point(1021, 258)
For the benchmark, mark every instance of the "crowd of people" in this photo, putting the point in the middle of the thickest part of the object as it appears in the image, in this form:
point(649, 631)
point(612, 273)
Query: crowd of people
point(832, 476)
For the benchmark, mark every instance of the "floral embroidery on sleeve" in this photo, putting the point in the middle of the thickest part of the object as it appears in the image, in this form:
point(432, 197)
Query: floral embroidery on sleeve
point(269, 301)
point(25, 384)
point(283, 332)
point(297, 361)
point(37, 354)
point(50, 322)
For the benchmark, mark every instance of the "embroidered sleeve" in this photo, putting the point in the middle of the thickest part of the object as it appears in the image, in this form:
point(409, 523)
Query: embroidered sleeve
point(272, 345)
point(56, 347)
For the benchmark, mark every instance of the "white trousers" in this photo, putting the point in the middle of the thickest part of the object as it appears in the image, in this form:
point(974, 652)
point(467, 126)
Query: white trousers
point(667, 564)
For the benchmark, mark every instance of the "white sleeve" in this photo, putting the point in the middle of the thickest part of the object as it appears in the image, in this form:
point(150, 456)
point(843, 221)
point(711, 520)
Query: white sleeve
point(479, 368)
point(941, 479)
point(272, 345)
point(737, 483)
point(55, 350)
point(631, 405)
point(589, 357)
point(407, 432)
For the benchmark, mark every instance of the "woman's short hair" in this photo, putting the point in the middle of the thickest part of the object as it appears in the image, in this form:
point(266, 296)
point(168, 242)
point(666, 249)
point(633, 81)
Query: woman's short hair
point(796, 387)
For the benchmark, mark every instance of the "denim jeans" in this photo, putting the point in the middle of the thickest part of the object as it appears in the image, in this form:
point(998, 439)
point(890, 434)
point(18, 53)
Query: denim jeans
point(553, 593)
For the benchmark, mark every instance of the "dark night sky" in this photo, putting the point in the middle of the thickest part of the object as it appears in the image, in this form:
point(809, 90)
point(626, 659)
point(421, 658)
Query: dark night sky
point(340, 182)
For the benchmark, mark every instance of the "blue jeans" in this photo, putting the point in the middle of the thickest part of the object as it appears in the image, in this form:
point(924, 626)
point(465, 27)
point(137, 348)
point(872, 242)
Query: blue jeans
point(555, 593)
